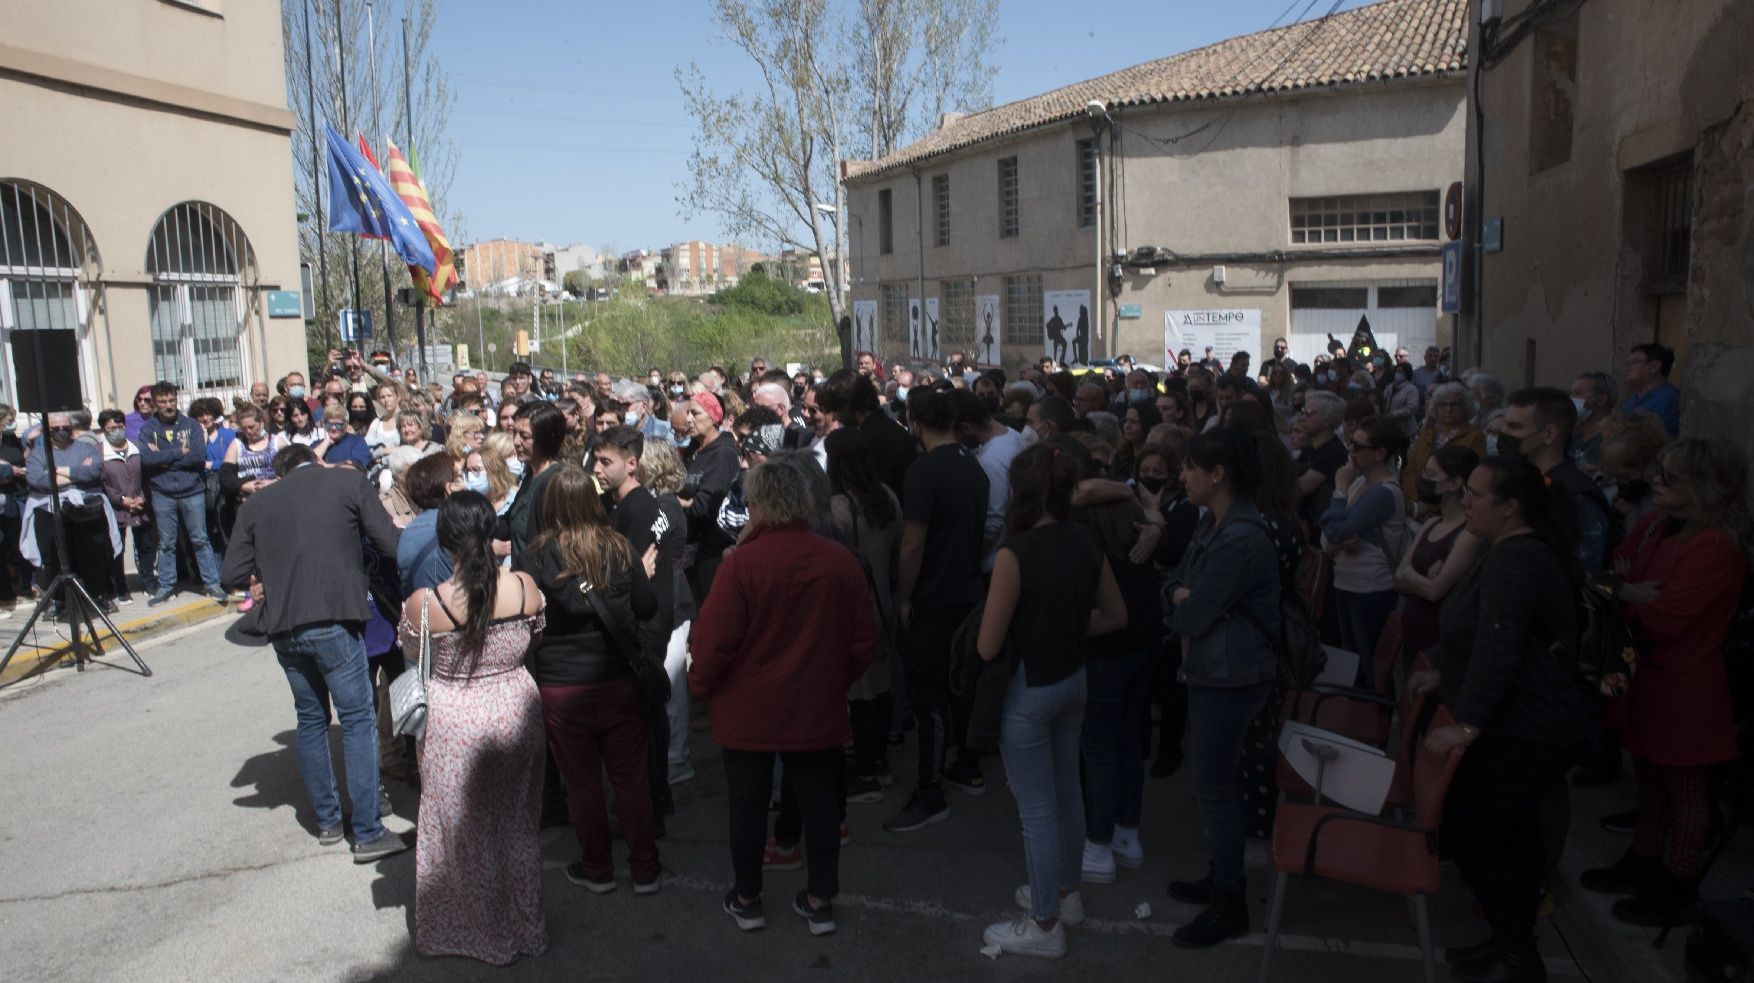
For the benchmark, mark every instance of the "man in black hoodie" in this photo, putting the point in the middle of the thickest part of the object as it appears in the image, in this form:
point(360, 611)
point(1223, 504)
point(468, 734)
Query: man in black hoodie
point(173, 454)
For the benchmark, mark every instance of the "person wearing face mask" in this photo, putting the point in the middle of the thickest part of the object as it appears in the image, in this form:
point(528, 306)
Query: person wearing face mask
point(1442, 550)
point(1629, 462)
point(86, 516)
point(1280, 360)
point(1537, 428)
point(125, 487)
point(1593, 394)
point(637, 412)
point(1201, 397)
point(1447, 412)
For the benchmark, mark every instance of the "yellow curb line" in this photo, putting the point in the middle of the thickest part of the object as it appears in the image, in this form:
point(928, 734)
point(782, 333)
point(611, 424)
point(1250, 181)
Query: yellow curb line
point(31, 659)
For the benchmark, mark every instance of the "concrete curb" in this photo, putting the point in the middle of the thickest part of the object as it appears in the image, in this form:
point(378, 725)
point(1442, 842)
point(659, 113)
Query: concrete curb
point(34, 659)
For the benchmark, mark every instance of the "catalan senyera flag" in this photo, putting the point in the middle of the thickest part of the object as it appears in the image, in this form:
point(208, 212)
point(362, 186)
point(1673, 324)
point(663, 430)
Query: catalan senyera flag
point(413, 194)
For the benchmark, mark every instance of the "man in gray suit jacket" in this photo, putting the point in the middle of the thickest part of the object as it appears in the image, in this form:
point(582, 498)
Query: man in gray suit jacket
point(302, 539)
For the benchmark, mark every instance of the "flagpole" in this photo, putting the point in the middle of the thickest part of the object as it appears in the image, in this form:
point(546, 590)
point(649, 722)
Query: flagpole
point(317, 189)
point(371, 33)
point(347, 124)
point(408, 101)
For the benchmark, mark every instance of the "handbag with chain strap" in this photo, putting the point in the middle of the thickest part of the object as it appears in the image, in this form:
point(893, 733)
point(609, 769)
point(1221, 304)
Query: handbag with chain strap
point(408, 691)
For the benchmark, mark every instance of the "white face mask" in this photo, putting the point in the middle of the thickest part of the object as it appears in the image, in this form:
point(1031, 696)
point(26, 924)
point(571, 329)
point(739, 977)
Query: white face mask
point(516, 467)
point(1583, 412)
point(1491, 445)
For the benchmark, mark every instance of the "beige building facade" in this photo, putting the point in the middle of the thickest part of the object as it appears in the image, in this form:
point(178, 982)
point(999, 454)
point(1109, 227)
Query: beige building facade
point(1614, 206)
point(1229, 213)
point(148, 194)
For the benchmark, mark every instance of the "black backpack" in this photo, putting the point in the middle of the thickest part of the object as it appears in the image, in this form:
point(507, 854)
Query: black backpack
point(1297, 643)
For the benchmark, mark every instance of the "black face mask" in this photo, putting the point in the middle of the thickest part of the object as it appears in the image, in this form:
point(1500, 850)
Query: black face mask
point(991, 403)
point(1636, 490)
point(1510, 448)
point(1153, 485)
point(1197, 395)
point(359, 416)
point(1428, 492)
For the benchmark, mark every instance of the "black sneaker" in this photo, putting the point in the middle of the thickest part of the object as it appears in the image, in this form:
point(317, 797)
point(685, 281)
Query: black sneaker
point(882, 774)
point(820, 920)
point(109, 605)
point(922, 809)
point(216, 593)
point(966, 778)
point(1621, 822)
point(1192, 892)
point(862, 788)
point(1227, 917)
point(386, 845)
point(747, 915)
point(331, 835)
point(159, 598)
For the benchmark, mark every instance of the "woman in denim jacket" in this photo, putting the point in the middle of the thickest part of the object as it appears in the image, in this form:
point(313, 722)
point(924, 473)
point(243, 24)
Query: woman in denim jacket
point(1226, 608)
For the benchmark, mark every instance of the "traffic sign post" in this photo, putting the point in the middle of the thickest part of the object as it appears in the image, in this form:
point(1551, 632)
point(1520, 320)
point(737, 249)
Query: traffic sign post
point(356, 326)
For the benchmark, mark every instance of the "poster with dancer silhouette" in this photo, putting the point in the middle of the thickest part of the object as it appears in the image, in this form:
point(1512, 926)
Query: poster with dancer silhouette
point(913, 328)
point(988, 329)
point(864, 326)
point(929, 347)
point(1065, 325)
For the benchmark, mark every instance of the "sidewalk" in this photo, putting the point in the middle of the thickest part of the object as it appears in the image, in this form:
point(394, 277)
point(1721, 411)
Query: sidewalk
point(48, 644)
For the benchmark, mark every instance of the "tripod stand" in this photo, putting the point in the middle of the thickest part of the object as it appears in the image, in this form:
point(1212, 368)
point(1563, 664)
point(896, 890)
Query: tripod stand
point(68, 590)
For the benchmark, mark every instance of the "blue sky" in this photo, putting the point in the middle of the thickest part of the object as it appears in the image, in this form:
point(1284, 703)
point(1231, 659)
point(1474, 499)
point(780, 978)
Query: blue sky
point(569, 126)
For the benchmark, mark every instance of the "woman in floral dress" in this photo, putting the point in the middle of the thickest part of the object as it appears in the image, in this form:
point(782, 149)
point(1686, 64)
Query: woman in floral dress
point(478, 886)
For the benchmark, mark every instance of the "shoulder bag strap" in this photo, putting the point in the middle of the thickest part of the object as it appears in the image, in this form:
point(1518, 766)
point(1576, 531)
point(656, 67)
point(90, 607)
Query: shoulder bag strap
point(425, 655)
point(621, 636)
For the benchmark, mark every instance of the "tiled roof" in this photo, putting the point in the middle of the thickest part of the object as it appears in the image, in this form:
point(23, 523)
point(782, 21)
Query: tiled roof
point(1388, 40)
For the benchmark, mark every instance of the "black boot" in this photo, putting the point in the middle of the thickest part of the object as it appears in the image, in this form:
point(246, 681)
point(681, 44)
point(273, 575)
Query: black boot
point(1225, 918)
point(1627, 876)
point(1504, 967)
point(1662, 901)
point(1192, 892)
point(1469, 955)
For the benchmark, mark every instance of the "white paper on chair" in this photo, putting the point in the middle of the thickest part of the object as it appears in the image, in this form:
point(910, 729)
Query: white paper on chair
point(1340, 669)
point(1358, 777)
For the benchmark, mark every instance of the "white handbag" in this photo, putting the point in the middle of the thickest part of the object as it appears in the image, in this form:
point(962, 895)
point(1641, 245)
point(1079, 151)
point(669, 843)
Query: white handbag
point(408, 691)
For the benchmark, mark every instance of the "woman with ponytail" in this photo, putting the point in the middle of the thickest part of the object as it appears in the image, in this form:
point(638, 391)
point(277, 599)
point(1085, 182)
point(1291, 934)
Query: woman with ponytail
point(1051, 589)
point(592, 704)
point(478, 869)
point(1507, 670)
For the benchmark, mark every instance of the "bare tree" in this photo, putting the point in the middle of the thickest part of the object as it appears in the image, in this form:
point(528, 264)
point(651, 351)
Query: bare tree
point(374, 98)
point(831, 76)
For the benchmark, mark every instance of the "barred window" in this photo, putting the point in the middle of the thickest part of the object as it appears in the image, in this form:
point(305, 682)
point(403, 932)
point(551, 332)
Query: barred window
point(198, 259)
point(941, 198)
point(1008, 198)
point(894, 312)
point(956, 298)
point(1411, 215)
point(1086, 183)
point(1023, 309)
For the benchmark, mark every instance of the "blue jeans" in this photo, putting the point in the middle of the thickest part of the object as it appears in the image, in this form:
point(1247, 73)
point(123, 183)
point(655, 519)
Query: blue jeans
point(1038, 739)
point(1218, 717)
point(171, 516)
point(1362, 615)
point(324, 664)
point(1114, 763)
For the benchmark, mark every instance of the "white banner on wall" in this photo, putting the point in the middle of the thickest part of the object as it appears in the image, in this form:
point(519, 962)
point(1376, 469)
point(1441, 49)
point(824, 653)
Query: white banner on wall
point(1066, 326)
point(986, 317)
point(864, 326)
point(1224, 331)
point(929, 331)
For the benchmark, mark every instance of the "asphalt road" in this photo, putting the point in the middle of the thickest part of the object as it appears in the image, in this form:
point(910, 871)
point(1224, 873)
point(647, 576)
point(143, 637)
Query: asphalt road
point(155, 829)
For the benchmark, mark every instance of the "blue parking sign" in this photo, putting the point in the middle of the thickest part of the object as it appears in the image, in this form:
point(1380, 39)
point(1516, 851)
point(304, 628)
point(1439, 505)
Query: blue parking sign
point(356, 325)
point(1452, 277)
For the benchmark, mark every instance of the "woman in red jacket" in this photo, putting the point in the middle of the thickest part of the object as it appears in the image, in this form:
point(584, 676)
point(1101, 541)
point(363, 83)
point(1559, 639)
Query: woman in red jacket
point(1683, 566)
point(778, 631)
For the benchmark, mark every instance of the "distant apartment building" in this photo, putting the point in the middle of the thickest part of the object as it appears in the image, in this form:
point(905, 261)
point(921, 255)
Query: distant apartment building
point(1282, 184)
point(638, 266)
point(804, 268)
point(694, 268)
point(494, 261)
point(146, 195)
point(575, 258)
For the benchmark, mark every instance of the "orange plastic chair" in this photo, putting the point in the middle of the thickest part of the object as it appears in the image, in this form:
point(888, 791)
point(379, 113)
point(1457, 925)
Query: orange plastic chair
point(1370, 851)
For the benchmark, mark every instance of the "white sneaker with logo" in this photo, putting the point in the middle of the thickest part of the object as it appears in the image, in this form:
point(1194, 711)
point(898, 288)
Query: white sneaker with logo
point(1099, 863)
point(1128, 851)
point(1024, 937)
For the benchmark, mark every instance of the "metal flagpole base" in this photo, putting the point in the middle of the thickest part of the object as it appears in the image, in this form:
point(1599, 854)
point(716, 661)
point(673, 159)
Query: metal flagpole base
point(77, 601)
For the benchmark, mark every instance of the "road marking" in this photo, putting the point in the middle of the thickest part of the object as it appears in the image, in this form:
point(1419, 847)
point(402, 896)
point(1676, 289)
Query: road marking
point(1105, 926)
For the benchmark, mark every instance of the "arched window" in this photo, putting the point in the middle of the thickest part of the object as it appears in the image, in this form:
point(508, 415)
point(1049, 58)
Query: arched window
point(48, 265)
point(200, 261)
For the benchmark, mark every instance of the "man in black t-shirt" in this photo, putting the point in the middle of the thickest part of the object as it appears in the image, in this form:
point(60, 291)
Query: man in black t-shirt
point(1320, 453)
point(944, 511)
point(637, 517)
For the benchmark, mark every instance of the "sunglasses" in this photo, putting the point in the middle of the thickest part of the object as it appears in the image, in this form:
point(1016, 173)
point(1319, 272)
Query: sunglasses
point(1365, 447)
point(334, 425)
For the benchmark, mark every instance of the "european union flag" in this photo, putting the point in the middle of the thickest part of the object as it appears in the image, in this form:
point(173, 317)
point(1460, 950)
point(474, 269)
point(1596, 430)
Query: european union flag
point(361, 200)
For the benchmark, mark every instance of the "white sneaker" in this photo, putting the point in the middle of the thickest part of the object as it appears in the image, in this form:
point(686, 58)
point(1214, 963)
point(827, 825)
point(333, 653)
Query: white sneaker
point(1025, 938)
point(1099, 863)
point(1128, 851)
point(1071, 905)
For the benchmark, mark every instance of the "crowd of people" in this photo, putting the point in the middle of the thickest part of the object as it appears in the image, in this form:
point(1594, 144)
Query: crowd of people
point(1085, 572)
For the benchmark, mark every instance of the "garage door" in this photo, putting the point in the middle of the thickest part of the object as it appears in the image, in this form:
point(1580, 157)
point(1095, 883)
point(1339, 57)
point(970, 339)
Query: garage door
point(1400, 313)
